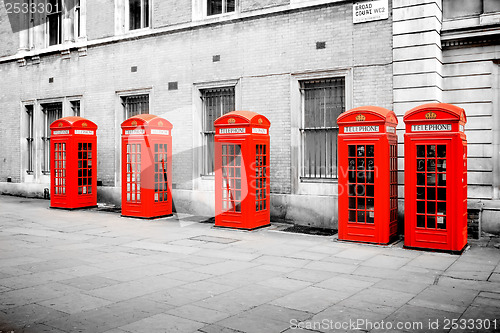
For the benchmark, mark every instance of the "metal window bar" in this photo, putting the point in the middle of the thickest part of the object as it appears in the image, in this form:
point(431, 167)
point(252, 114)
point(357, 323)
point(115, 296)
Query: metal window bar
point(54, 21)
point(215, 7)
point(135, 105)
point(75, 106)
point(29, 111)
point(78, 18)
point(323, 101)
point(52, 112)
point(216, 102)
point(138, 14)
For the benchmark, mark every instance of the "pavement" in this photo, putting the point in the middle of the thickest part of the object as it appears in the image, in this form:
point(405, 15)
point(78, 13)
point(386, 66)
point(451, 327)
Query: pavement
point(95, 271)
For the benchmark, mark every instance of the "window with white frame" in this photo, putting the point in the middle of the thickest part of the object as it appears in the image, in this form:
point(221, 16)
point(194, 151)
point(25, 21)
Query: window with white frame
point(216, 102)
point(215, 7)
point(29, 138)
point(78, 19)
point(51, 112)
point(323, 100)
point(75, 107)
point(54, 22)
point(138, 14)
point(136, 104)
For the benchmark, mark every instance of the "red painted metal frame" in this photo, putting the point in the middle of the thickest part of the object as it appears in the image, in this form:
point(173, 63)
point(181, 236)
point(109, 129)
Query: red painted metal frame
point(146, 173)
point(367, 204)
point(436, 178)
point(244, 205)
point(73, 152)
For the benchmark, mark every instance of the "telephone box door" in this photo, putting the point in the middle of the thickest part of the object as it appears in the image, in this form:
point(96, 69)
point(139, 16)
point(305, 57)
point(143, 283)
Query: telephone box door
point(368, 175)
point(435, 178)
point(146, 167)
point(242, 170)
point(73, 163)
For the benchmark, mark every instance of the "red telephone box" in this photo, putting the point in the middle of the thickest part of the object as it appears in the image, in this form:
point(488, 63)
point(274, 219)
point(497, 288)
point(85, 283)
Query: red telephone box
point(368, 180)
point(242, 170)
point(146, 167)
point(73, 148)
point(436, 177)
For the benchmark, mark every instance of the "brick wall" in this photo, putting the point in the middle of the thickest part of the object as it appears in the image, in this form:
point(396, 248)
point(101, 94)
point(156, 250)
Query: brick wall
point(100, 18)
point(9, 40)
point(263, 54)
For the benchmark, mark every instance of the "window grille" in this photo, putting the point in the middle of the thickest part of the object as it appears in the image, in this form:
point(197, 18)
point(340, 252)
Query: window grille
point(29, 138)
point(216, 102)
point(322, 102)
point(52, 112)
point(135, 105)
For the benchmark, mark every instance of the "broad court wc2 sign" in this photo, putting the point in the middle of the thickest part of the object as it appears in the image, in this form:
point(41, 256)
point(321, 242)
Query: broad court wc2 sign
point(367, 11)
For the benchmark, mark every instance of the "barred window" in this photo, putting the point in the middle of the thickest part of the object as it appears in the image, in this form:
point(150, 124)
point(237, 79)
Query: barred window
point(29, 138)
point(51, 112)
point(216, 102)
point(134, 105)
point(322, 102)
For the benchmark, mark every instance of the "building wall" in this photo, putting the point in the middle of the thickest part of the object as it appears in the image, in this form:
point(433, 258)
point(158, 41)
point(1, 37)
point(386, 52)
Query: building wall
point(266, 55)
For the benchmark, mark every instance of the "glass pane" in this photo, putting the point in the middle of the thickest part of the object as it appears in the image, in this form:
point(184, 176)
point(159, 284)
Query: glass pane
point(421, 207)
point(420, 221)
point(370, 150)
point(420, 151)
point(441, 151)
point(352, 150)
point(431, 222)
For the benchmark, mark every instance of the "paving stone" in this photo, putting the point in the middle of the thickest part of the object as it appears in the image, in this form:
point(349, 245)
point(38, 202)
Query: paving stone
point(382, 296)
point(188, 276)
point(404, 286)
point(285, 283)
point(199, 314)
point(217, 329)
point(89, 282)
point(434, 261)
point(310, 275)
point(331, 267)
point(310, 299)
point(26, 315)
point(358, 253)
point(244, 277)
point(128, 290)
point(495, 295)
point(494, 277)
point(281, 261)
point(418, 319)
point(344, 283)
point(162, 323)
point(386, 261)
point(355, 303)
point(224, 267)
point(278, 313)
point(339, 318)
point(241, 299)
point(138, 272)
point(486, 301)
point(480, 315)
point(74, 303)
point(445, 298)
point(249, 323)
point(308, 255)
